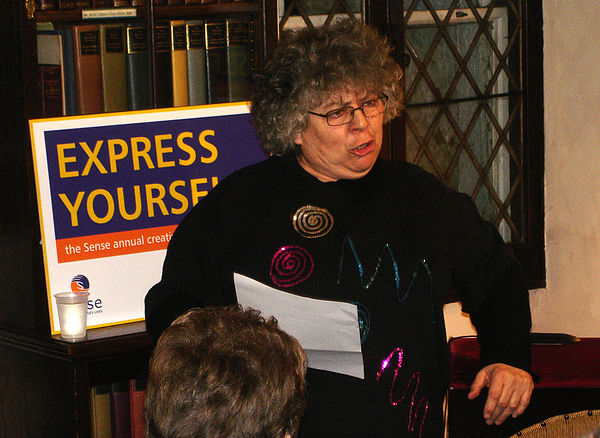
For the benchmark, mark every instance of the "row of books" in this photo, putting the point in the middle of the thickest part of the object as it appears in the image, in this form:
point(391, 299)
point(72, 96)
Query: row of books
point(47, 5)
point(117, 409)
point(95, 68)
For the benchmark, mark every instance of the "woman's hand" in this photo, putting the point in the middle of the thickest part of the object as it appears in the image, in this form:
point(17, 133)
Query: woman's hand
point(508, 394)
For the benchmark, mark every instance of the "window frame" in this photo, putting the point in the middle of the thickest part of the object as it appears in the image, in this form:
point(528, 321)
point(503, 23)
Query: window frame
point(388, 16)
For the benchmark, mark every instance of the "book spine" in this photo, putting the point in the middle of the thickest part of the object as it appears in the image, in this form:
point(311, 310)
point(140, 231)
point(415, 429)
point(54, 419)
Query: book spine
point(50, 61)
point(138, 82)
point(100, 411)
point(52, 96)
point(47, 5)
point(179, 63)
point(215, 35)
point(102, 3)
point(162, 66)
point(138, 2)
point(120, 410)
point(137, 393)
point(196, 62)
point(174, 2)
point(66, 4)
point(88, 72)
point(121, 3)
point(240, 59)
point(69, 85)
point(83, 4)
point(114, 76)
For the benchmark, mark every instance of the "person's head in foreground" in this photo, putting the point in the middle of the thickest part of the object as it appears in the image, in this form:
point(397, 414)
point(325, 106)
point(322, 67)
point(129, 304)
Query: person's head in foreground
point(325, 94)
point(225, 373)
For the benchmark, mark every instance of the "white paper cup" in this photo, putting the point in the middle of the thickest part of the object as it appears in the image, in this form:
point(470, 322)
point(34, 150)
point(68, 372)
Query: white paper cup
point(72, 314)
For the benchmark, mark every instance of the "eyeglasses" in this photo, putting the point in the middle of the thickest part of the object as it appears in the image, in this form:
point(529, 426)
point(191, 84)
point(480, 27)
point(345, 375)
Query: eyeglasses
point(345, 114)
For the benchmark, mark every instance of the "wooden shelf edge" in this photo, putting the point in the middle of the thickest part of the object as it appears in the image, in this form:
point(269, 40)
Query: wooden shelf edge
point(206, 9)
point(100, 344)
point(69, 15)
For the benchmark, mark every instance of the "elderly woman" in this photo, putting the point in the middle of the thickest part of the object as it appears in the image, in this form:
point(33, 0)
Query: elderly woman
point(324, 217)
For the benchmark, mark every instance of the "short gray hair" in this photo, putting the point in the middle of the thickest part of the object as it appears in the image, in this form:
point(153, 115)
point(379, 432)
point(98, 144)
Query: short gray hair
point(312, 63)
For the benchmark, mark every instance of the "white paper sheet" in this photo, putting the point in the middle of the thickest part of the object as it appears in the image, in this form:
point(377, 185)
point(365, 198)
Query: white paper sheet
point(327, 330)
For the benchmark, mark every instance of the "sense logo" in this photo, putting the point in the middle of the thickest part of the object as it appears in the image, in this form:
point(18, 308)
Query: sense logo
point(80, 283)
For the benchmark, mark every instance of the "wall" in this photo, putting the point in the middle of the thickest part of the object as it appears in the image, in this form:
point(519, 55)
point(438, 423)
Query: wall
point(570, 302)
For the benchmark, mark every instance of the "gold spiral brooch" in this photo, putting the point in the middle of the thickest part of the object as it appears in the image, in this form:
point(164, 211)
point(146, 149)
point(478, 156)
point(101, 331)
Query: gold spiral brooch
point(312, 222)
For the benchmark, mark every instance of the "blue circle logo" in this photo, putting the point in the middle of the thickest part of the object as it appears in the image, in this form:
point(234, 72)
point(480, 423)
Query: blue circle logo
point(80, 283)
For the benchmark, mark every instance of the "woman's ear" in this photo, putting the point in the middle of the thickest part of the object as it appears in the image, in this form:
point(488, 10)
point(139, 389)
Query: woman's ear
point(298, 139)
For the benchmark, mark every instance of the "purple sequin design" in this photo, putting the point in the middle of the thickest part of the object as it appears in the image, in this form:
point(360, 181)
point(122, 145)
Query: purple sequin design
point(415, 408)
point(290, 266)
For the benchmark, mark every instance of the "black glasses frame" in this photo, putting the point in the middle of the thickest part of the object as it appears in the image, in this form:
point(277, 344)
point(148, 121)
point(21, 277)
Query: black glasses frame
point(383, 97)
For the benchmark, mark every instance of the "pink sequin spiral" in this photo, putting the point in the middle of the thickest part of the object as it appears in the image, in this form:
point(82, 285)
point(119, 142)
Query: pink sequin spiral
point(291, 265)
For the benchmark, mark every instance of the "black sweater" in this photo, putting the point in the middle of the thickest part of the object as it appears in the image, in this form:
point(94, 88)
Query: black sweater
point(394, 243)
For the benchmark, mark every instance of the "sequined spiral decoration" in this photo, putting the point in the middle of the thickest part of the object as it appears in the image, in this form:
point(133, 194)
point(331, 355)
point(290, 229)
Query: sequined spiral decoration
point(312, 222)
point(290, 266)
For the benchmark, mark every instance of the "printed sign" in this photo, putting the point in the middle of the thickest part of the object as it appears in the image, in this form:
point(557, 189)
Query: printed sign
point(112, 188)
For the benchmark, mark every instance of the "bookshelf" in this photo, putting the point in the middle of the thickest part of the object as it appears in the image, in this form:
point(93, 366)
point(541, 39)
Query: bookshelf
point(47, 384)
point(117, 59)
point(50, 381)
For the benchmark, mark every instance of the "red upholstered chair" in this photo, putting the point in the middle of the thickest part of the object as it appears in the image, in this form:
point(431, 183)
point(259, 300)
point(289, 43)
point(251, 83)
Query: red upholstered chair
point(567, 379)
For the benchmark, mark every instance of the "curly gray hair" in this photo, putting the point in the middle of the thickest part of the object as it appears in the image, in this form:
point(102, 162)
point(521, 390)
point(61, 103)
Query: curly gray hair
point(309, 66)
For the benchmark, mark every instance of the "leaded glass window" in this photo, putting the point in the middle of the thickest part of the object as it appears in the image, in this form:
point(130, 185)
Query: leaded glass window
point(299, 13)
point(464, 102)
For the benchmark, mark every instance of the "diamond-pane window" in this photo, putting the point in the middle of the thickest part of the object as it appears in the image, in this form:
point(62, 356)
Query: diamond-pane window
point(300, 13)
point(464, 101)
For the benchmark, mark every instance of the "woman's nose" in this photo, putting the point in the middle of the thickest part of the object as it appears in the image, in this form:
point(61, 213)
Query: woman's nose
point(359, 121)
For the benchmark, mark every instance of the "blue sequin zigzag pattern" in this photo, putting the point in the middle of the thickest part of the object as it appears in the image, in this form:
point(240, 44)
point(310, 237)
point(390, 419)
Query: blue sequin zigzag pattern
point(364, 320)
point(367, 284)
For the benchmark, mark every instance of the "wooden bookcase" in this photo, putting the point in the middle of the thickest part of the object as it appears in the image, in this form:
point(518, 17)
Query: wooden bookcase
point(23, 302)
point(45, 383)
